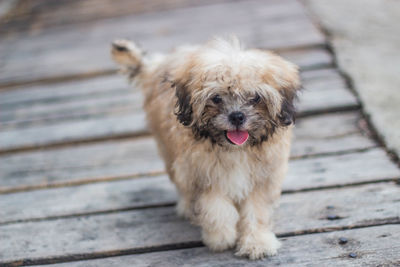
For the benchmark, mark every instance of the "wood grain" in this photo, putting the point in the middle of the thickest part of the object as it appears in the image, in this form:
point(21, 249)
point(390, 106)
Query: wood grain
point(122, 116)
point(30, 16)
point(14, 103)
point(67, 51)
point(81, 183)
point(338, 170)
point(148, 191)
point(373, 246)
point(49, 104)
point(109, 95)
point(52, 102)
point(145, 228)
point(337, 133)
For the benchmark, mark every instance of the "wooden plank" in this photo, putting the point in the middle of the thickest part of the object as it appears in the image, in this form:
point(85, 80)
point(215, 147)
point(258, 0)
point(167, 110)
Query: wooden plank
point(65, 91)
point(73, 131)
point(136, 193)
point(306, 59)
point(91, 162)
point(63, 52)
point(337, 133)
point(54, 109)
point(139, 229)
point(373, 246)
point(90, 198)
point(38, 15)
point(100, 96)
point(112, 95)
point(369, 166)
point(321, 92)
point(325, 94)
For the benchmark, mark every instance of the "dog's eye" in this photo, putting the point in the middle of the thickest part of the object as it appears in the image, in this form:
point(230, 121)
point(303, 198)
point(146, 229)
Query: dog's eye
point(216, 99)
point(255, 99)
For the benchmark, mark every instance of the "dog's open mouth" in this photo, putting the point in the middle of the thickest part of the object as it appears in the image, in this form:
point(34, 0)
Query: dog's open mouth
point(237, 137)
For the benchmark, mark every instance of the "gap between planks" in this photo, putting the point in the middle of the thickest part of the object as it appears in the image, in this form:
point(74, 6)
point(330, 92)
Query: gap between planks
point(336, 98)
point(173, 203)
point(61, 144)
point(295, 252)
point(281, 21)
point(158, 190)
point(58, 79)
point(80, 182)
point(46, 105)
point(126, 136)
point(26, 17)
point(199, 244)
point(33, 104)
point(381, 210)
point(183, 245)
point(84, 181)
point(114, 158)
point(112, 71)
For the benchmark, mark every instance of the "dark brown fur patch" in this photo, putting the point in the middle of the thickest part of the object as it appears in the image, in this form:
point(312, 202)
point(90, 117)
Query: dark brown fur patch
point(183, 107)
point(287, 115)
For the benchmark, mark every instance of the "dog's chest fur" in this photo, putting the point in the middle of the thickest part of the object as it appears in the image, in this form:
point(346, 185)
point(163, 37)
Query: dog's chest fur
point(233, 173)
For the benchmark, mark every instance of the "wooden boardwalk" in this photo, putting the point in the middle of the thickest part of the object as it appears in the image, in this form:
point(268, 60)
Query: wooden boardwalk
point(81, 183)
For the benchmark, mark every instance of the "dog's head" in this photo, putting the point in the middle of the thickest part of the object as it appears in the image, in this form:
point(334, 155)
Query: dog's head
point(233, 96)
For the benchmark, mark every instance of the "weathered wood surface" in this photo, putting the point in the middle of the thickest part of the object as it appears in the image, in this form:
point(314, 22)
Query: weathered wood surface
point(324, 91)
point(100, 128)
point(68, 101)
point(328, 171)
point(109, 95)
point(68, 51)
point(90, 198)
point(339, 170)
point(337, 133)
point(34, 16)
point(111, 198)
point(373, 246)
point(141, 192)
point(139, 229)
point(329, 133)
point(77, 99)
point(59, 92)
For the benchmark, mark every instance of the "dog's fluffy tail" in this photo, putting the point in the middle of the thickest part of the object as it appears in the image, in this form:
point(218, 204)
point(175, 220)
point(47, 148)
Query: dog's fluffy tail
point(129, 56)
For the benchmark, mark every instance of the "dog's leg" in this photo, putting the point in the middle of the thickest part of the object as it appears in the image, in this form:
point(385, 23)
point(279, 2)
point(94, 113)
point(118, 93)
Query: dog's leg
point(256, 239)
point(183, 207)
point(218, 217)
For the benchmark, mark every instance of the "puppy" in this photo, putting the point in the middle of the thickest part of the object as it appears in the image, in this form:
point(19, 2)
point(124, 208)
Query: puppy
point(222, 117)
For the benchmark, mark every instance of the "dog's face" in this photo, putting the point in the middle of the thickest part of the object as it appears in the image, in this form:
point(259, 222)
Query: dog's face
point(235, 97)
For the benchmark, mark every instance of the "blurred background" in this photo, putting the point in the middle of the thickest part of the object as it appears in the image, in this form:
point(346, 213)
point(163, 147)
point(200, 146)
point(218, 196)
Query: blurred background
point(46, 41)
point(80, 176)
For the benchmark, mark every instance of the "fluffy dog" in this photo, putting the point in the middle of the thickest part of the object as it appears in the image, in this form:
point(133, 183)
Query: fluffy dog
point(222, 117)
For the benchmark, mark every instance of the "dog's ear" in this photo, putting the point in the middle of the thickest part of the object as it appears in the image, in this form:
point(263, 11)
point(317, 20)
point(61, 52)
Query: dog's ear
point(183, 107)
point(289, 93)
point(287, 114)
point(288, 83)
point(284, 77)
point(180, 78)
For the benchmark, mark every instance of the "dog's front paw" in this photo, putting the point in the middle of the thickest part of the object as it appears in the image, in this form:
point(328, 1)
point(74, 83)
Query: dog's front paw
point(259, 245)
point(219, 240)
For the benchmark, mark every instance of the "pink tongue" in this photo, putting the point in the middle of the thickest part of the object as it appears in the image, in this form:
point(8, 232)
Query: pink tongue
point(237, 137)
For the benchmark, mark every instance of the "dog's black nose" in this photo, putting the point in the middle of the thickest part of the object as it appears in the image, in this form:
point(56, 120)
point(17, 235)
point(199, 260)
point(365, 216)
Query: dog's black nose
point(237, 118)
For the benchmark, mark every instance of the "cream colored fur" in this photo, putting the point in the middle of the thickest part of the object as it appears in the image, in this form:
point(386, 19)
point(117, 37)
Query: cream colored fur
point(230, 191)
